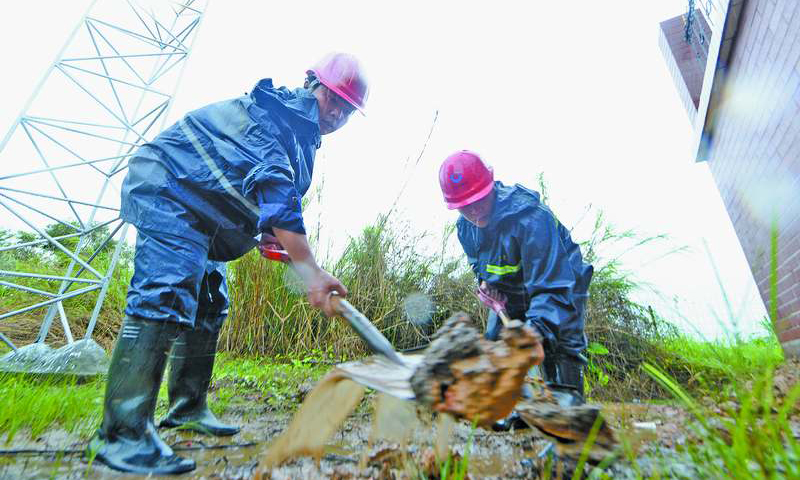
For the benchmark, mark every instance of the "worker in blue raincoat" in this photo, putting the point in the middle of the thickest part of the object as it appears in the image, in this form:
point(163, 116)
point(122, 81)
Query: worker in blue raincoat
point(519, 251)
point(199, 194)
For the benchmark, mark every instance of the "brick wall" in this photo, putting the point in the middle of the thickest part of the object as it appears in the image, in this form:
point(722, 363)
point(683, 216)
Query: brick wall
point(755, 150)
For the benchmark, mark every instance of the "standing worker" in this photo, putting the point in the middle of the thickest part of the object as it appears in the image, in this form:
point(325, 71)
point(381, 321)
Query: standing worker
point(198, 195)
point(517, 247)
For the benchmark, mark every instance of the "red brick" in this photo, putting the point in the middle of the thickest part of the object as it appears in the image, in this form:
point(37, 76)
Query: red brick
point(792, 333)
point(785, 324)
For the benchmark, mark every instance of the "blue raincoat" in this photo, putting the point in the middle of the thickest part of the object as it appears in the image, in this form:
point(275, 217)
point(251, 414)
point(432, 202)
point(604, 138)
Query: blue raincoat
point(204, 188)
point(527, 254)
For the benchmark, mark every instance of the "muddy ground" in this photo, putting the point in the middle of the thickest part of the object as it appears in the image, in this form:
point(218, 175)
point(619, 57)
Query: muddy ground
point(493, 455)
point(656, 433)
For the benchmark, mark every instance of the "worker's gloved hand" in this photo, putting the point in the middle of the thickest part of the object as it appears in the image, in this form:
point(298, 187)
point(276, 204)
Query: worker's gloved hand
point(491, 297)
point(319, 287)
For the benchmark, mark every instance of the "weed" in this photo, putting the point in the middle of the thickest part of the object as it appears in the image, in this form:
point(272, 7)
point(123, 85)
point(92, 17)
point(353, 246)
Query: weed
point(36, 405)
point(755, 440)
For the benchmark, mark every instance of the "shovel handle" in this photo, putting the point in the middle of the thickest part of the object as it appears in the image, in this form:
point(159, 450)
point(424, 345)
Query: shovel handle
point(503, 317)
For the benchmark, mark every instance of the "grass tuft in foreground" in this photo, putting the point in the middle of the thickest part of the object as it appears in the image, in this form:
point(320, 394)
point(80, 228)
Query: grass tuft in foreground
point(35, 405)
point(752, 437)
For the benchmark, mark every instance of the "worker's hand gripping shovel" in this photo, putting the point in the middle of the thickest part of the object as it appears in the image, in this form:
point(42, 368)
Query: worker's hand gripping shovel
point(358, 322)
point(494, 300)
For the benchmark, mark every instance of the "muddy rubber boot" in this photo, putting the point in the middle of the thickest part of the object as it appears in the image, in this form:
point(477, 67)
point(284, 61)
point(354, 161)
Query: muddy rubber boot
point(127, 439)
point(563, 374)
point(191, 365)
point(512, 421)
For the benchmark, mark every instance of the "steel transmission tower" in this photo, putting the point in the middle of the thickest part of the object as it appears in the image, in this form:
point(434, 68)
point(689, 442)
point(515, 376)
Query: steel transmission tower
point(65, 156)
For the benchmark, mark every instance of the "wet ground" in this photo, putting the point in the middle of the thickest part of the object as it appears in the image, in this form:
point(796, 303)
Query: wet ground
point(655, 433)
point(349, 454)
point(493, 455)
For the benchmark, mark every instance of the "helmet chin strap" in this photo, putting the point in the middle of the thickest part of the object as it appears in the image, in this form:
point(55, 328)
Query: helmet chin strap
point(312, 82)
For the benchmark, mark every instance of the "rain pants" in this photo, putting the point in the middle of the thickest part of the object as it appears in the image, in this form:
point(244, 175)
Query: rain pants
point(527, 254)
point(204, 188)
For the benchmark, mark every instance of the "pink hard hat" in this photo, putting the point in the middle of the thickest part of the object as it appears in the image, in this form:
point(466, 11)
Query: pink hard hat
point(342, 73)
point(465, 179)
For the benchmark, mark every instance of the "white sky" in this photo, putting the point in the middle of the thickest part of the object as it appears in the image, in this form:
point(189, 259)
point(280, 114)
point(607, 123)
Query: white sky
point(577, 90)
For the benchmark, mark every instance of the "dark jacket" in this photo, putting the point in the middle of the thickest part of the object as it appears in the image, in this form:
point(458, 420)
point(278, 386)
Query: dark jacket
point(526, 253)
point(237, 168)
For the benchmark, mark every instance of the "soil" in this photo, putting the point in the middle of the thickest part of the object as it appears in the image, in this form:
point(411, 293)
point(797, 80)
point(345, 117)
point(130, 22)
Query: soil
point(492, 455)
point(655, 430)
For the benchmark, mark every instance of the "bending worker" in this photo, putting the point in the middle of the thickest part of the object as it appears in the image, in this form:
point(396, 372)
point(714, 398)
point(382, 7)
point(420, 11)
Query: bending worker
point(517, 247)
point(198, 196)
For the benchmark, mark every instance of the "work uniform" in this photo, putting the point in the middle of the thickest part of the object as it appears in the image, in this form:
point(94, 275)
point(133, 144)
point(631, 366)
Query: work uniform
point(204, 188)
point(528, 255)
point(198, 195)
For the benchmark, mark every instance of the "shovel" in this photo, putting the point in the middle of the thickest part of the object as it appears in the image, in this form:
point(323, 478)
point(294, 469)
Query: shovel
point(366, 330)
point(358, 322)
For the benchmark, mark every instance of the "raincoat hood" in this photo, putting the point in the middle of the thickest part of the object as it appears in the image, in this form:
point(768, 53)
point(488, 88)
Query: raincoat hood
point(510, 202)
point(299, 107)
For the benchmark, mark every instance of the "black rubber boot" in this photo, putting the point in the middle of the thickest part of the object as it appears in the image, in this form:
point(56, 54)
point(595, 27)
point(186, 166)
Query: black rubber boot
point(563, 374)
point(512, 422)
point(191, 364)
point(127, 439)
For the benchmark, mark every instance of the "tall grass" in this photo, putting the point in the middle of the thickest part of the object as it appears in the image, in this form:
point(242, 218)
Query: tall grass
point(384, 267)
point(381, 267)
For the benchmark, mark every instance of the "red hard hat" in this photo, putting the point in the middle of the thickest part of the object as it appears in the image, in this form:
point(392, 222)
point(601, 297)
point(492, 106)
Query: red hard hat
point(465, 179)
point(342, 73)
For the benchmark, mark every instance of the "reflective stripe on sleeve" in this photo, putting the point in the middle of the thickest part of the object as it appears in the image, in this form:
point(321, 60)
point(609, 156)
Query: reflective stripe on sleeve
point(502, 269)
point(212, 165)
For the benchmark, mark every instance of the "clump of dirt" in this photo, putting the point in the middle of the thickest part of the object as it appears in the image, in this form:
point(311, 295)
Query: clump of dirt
point(320, 415)
point(569, 428)
point(472, 378)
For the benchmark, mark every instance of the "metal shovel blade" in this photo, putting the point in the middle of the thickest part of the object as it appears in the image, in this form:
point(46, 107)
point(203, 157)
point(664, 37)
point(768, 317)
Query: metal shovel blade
point(366, 330)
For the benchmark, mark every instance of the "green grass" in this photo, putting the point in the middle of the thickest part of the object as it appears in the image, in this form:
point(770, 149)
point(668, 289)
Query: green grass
point(753, 440)
point(707, 363)
point(44, 259)
point(34, 405)
point(239, 380)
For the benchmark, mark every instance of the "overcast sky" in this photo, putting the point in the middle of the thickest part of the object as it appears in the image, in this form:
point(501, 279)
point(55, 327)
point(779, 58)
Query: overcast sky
point(576, 90)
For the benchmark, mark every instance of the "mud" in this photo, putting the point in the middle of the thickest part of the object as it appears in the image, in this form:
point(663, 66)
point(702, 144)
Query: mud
point(318, 418)
point(366, 446)
point(369, 445)
point(472, 378)
point(360, 449)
